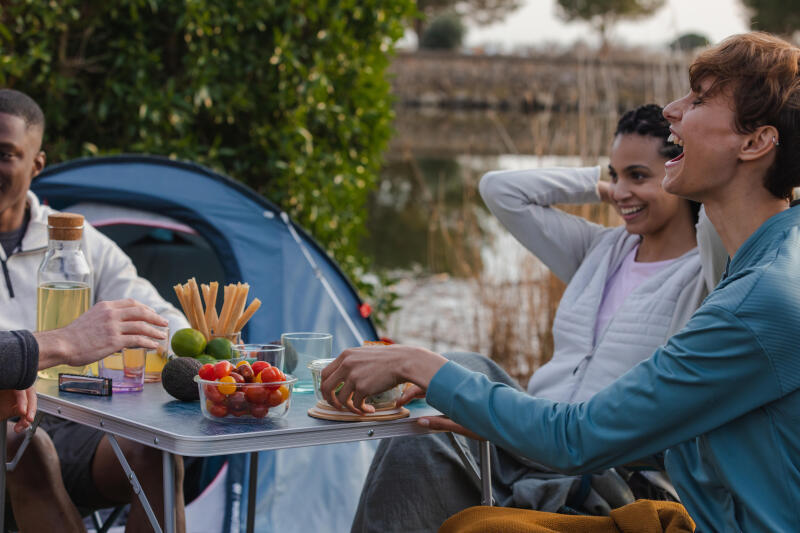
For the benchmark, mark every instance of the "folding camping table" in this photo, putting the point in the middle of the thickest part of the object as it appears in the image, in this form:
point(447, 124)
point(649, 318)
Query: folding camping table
point(155, 419)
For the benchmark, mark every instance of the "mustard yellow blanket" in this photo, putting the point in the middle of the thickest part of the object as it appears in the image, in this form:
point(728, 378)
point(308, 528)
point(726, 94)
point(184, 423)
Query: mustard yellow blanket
point(642, 516)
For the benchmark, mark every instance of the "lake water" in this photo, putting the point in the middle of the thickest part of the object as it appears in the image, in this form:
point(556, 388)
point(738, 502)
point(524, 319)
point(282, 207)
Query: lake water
point(464, 282)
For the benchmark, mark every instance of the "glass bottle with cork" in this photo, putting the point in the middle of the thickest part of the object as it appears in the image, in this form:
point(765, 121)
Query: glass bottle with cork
point(64, 282)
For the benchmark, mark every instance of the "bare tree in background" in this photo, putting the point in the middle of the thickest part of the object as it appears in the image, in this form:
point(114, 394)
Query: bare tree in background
point(478, 11)
point(603, 14)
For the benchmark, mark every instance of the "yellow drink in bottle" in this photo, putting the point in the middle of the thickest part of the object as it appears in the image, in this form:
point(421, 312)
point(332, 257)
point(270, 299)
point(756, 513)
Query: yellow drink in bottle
point(65, 281)
point(57, 305)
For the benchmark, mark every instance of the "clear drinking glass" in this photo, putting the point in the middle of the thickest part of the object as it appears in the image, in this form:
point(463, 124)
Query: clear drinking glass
point(271, 353)
point(154, 360)
point(125, 368)
point(301, 349)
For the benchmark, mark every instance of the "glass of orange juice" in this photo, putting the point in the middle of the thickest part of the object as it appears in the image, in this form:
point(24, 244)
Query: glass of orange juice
point(156, 359)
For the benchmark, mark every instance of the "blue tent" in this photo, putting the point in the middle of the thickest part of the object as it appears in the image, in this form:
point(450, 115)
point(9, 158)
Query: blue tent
point(301, 287)
point(177, 220)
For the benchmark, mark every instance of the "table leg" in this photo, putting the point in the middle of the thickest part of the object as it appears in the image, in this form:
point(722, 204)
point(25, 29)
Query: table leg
point(11, 465)
point(486, 473)
point(3, 473)
point(465, 456)
point(252, 488)
point(137, 487)
point(169, 491)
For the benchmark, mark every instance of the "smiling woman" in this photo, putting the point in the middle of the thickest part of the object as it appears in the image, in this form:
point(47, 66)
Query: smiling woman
point(638, 154)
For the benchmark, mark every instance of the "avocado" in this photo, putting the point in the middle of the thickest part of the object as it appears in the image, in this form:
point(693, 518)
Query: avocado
point(177, 377)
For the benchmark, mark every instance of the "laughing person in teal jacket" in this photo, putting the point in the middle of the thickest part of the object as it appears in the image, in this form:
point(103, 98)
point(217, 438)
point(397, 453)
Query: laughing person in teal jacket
point(722, 396)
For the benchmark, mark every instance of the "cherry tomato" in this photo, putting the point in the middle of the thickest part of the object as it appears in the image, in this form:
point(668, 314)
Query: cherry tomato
point(222, 369)
point(258, 366)
point(237, 402)
point(227, 384)
point(242, 362)
point(213, 394)
point(218, 410)
point(275, 397)
point(271, 375)
point(237, 377)
point(284, 392)
point(259, 411)
point(246, 371)
point(256, 394)
point(207, 372)
point(257, 378)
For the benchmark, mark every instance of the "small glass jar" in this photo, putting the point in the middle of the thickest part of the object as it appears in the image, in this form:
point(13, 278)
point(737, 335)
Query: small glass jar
point(382, 400)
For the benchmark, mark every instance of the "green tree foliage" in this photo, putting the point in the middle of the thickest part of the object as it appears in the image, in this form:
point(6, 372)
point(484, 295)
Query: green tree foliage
point(288, 96)
point(603, 14)
point(445, 32)
point(689, 41)
point(478, 11)
point(776, 16)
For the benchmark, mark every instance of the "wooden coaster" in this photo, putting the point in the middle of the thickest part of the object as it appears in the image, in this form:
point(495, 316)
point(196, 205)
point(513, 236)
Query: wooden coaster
point(327, 412)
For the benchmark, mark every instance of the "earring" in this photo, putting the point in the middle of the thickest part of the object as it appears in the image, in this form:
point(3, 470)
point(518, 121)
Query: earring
point(776, 142)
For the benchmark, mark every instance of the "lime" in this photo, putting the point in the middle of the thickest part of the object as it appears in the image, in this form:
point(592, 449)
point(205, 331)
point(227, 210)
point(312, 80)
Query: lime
point(188, 342)
point(205, 358)
point(220, 348)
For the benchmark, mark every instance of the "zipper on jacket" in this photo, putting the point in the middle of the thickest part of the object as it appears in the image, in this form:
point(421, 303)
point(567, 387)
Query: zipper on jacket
point(8, 279)
point(583, 365)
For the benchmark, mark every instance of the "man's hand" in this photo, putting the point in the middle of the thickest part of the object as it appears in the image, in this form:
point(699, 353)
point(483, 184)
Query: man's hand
point(21, 403)
point(107, 327)
point(373, 369)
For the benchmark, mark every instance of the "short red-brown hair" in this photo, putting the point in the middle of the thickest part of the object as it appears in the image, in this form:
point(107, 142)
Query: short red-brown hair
point(761, 72)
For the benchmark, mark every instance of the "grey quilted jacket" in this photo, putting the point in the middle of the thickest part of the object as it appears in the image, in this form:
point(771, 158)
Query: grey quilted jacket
point(584, 254)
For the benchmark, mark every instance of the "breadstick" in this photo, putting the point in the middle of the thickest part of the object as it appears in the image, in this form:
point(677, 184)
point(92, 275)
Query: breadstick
point(225, 314)
point(188, 308)
point(210, 295)
point(240, 301)
point(197, 306)
point(248, 314)
point(214, 319)
point(182, 300)
point(236, 295)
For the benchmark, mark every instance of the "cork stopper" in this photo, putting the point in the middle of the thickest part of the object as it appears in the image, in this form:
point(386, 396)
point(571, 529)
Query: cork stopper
point(65, 226)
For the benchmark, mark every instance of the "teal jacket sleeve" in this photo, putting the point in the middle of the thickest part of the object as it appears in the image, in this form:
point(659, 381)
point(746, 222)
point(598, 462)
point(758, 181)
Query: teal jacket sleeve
point(711, 372)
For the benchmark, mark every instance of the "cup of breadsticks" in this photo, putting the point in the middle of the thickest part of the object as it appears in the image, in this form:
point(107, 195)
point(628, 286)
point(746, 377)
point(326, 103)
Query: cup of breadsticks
point(227, 324)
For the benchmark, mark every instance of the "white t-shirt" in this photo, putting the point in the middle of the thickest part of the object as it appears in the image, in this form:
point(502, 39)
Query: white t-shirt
point(624, 281)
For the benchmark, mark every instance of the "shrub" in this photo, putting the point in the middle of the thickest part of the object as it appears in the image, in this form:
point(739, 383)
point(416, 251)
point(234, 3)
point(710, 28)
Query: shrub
point(288, 96)
point(445, 32)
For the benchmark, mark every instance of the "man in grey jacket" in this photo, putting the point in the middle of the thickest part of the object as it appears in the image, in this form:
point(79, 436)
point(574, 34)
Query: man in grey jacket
point(89, 467)
point(105, 328)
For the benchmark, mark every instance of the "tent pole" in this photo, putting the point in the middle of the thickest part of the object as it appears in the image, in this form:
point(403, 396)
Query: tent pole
point(322, 279)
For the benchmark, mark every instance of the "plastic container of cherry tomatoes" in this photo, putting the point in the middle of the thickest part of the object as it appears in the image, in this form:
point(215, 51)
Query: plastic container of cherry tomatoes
point(239, 402)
